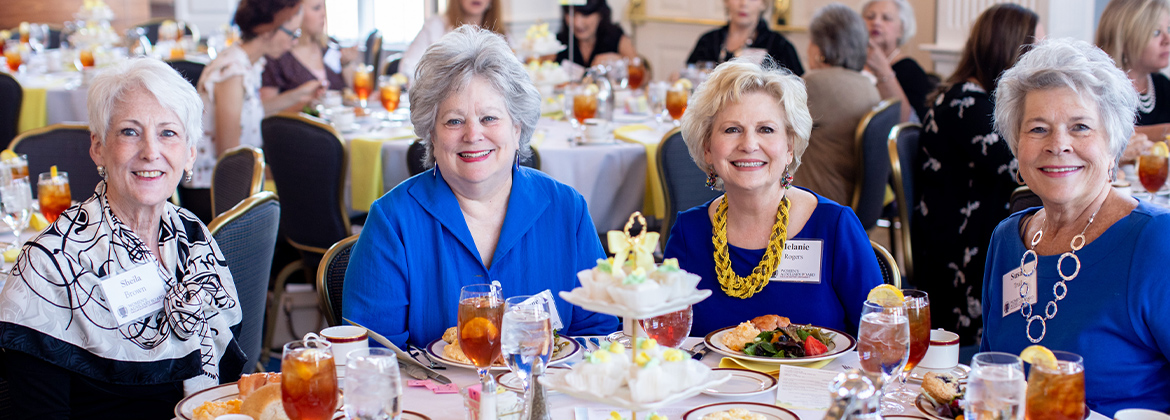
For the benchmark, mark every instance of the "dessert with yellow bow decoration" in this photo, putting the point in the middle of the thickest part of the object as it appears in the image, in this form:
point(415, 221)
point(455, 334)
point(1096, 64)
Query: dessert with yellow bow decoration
point(631, 278)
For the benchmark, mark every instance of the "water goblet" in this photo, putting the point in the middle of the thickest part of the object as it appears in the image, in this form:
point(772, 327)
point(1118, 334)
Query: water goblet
point(995, 387)
point(16, 201)
point(669, 330)
point(373, 386)
point(527, 336)
point(883, 341)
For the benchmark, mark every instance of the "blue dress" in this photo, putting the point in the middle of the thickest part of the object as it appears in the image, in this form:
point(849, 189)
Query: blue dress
point(848, 271)
point(416, 252)
point(1114, 313)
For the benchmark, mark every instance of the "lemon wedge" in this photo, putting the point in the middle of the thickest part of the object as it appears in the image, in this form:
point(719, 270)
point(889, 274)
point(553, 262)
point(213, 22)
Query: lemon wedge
point(886, 295)
point(7, 154)
point(398, 79)
point(592, 89)
point(1160, 149)
point(684, 83)
point(1039, 355)
point(38, 222)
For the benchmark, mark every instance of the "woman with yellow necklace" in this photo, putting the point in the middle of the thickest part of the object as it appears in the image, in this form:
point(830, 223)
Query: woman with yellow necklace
point(765, 247)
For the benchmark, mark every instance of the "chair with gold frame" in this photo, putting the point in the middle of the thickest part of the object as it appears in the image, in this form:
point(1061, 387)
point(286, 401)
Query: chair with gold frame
point(889, 267)
point(238, 174)
point(873, 162)
point(309, 161)
point(63, 145)
point(11, 97)
point(416, 151)
point(331, 278)
point(903, 151)
point(683, 183)
point(246, 235)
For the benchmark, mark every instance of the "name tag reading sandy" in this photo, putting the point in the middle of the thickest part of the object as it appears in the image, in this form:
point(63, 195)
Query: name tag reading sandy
point(801, 262)
point(134, 294)
point(1011, 289)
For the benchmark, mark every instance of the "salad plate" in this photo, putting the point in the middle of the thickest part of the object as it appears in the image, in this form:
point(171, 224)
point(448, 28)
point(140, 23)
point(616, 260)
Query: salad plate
point(841, 344)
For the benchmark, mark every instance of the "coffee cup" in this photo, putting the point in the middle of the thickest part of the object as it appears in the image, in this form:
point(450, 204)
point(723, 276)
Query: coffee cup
point(344, 339)
point(596, 129)
point(943, 352)
point(343, 117)
point(1140, 414)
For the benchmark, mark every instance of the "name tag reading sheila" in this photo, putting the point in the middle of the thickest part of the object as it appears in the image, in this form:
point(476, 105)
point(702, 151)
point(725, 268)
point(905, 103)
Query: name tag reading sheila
point(801, 262)
point(134, 294)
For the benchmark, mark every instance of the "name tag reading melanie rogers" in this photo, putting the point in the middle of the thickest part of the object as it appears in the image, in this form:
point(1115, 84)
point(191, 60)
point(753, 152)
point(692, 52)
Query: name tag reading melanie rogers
point(134, 294)
point(801, 262)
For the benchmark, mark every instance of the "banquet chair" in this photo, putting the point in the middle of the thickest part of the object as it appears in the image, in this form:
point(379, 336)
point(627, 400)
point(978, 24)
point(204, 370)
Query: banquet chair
point(1023, 198)
point(873, 162)
point(416, 152)
point(374, 50)
point(308, 160)
point(246, 235)
point(683, 183)
point(64, 145)
point(11, 97)
point(331, 278)
point(391, 64)
point(887, 265)
point(190, 70)
point(903, 151)
point(238, 174)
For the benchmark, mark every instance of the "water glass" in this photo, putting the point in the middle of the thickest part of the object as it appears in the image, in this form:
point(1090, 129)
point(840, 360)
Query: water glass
point(373, 387)
point(996, 387)
point(16, 201)
point(527, 336)
point(883, 340)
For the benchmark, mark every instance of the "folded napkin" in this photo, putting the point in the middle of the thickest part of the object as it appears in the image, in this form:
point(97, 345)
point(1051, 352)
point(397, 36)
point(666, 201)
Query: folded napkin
point(654, 202)
point(771, 369)
point(33, 113)
point(10, 255)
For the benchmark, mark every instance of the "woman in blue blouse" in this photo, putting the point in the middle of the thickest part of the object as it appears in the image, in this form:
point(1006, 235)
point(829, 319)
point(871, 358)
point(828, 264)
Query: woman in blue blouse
point(1067, 113)
point(747, 128)
point(476, 216)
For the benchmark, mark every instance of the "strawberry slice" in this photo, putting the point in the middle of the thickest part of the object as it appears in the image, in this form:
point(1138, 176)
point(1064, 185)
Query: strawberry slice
point(813, 347)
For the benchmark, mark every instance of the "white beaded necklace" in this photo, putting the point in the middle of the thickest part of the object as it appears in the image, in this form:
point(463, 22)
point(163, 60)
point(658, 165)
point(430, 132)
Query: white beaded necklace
point(1146, 101)
point(1050, 310)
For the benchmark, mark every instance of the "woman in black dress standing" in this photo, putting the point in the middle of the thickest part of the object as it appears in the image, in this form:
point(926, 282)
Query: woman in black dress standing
point(596, 39)
point(746, 33)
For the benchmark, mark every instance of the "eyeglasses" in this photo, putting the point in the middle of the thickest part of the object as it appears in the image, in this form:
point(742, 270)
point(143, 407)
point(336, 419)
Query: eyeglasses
point(292, 34)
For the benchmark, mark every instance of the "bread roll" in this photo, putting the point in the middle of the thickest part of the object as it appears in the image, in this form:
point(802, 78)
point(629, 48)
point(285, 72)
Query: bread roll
point(264, 404)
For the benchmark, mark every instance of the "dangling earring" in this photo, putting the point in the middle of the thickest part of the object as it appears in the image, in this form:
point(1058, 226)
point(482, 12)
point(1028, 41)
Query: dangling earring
point(711, 177)
point(188, 175)
point(101, 171)
point(787, 180)
point(516, 165)
point(1019, 178)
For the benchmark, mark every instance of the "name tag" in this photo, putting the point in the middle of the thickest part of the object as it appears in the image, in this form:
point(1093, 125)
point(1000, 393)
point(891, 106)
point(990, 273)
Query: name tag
point(1011, 289)
point(801, 262)
point(134, 294)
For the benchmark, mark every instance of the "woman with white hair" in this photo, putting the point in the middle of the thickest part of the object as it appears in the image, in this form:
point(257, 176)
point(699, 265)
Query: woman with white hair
point(891, 23)
point(839, 96)
point(747, 128)
point(476, 215)
point(125, 303)
point(1092, 258)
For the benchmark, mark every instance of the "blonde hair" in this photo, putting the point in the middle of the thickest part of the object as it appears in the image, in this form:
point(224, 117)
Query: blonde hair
point(491, 16)
point(728, 84)
point(1126, 27)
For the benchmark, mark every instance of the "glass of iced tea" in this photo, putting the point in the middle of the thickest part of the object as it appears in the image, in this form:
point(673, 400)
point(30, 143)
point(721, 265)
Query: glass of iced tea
point(390, 92)
point(363, 83)
point(85, 58)
point(669, 330)
point(917, 304)
point(1057, 394)
point(1153, 168)
point(53, 194)
point(584, 105)
point(12, 56)
point(636, 73)
point(481, 312)
point(308, 379)
point(676, 102)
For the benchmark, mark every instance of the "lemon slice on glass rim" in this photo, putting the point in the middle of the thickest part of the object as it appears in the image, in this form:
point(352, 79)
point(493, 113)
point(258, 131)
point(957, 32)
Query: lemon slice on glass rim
point(1039, 355)
point(684, 83)
point(886, 295)
point(1160, 149)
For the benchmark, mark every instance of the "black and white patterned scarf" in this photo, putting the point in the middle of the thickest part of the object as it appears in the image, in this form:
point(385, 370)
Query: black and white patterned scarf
point(52, 305)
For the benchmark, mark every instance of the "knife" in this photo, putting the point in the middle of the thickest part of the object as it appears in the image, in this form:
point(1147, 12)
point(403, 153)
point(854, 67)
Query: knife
point(699, 351)
point(403, 357)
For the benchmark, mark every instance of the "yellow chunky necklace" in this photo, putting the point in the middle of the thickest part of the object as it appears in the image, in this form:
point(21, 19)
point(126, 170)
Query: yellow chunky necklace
point(733, 284)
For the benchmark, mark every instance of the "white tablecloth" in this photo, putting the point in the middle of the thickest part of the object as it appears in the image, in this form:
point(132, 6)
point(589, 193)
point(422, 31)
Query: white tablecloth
point(64, 96)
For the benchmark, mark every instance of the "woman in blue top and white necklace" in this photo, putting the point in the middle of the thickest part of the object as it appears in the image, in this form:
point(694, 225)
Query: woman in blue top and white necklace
point(1085, 272)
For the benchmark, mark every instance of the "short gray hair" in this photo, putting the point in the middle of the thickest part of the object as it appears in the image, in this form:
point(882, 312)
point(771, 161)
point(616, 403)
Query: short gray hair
point(1073, 64)
point(728, 84)
point(449, 65)
point(170, 89)
point(841, 35)
point(905, 14)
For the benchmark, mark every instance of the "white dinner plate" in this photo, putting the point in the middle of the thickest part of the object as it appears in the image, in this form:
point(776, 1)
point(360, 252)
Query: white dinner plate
point(568, 348)
point(623, 399)
point(185, 410)
point(928, 407)
point(513, 383)
point(743, 383)
point(406, 415)
point(960, 371)
point(769, 411)
point(841, 344)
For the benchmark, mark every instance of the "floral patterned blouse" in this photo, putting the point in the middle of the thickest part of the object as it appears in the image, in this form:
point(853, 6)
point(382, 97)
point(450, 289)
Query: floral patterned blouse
point(230, 63)
point(965, 177)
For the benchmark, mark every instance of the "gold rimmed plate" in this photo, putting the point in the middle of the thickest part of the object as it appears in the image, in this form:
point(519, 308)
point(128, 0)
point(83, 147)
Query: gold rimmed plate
point(841, 344)
point(769, 411)
point(566, 350)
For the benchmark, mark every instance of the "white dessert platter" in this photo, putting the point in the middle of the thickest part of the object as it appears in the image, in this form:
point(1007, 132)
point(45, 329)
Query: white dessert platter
point(578, 297)
point(769, 411)
point(623, 399)
point(568, 349)
point(841, 344)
